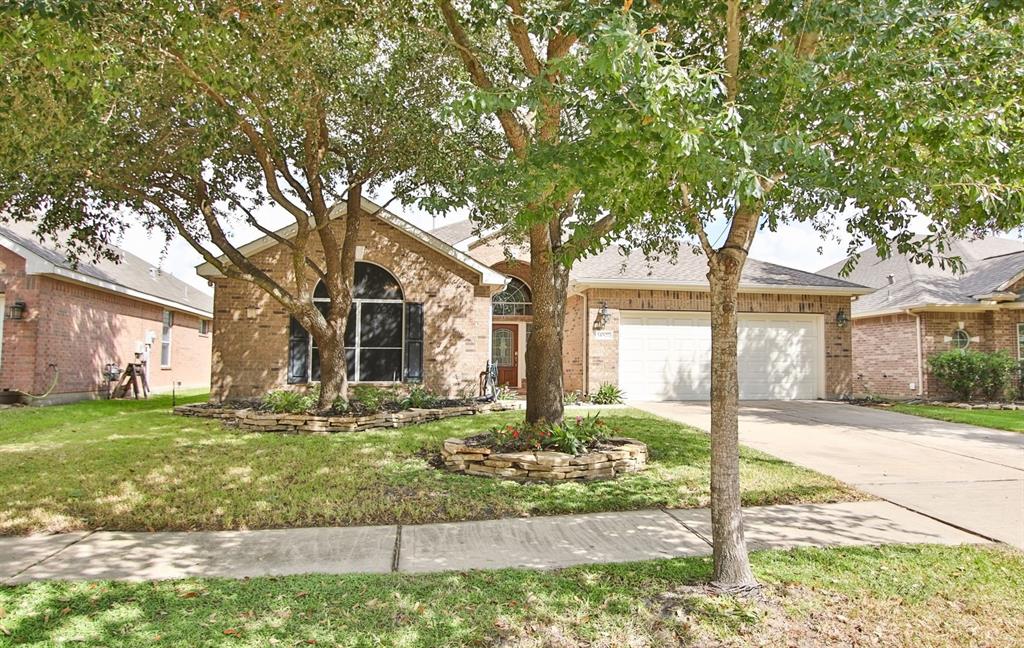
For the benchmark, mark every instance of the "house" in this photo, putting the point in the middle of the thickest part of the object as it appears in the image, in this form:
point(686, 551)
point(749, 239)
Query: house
point(63, 324)
point(917, 311)
point(436, 306)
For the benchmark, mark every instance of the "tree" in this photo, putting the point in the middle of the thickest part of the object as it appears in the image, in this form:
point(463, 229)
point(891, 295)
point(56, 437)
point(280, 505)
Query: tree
point(760, 113)
point(200, 120)
point(537, 172)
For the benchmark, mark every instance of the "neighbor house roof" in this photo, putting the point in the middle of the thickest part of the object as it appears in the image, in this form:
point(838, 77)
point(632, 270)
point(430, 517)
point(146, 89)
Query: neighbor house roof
point(991, 265)
point(487, 275)
point(454, 233)
point(617, 267)
point(132, 277)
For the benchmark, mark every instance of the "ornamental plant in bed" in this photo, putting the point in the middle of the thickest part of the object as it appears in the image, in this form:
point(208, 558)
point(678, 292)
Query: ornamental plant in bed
point(572, 436)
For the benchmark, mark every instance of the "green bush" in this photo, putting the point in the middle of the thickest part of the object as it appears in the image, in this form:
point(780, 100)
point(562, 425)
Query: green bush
point(998, 372)
point(573, 437)
point(974, 373)
point(285, 401)
point(608, 394)
point(420, 398)
point(572, 398)
point(372, 399)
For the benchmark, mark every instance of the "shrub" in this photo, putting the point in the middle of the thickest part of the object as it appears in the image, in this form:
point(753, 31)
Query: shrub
point(285, 401)
point(572, 398)
point(971, 373)
point(372, 399)
point(576, 436)
point(572, 437)
point(608, 394)
point(420, 398)
point(998, 371)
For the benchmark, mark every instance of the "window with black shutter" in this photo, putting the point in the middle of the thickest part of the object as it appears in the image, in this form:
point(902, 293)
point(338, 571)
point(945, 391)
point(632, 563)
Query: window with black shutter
point(414, 342)
point(298, 352)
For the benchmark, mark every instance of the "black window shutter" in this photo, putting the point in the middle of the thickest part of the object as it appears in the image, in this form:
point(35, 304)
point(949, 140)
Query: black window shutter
point(414, 342)
point(298, 353)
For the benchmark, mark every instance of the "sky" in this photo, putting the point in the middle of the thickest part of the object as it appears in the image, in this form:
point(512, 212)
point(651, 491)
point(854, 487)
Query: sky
point(795, 245)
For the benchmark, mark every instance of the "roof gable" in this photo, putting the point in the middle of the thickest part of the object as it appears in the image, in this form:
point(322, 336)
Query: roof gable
point(487, 275)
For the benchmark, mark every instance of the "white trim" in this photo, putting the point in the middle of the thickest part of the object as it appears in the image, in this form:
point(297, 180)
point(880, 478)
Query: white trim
point(659, 284)
point(37, 265)
point(1020, 338)
point(488, 277)
point(920, 356)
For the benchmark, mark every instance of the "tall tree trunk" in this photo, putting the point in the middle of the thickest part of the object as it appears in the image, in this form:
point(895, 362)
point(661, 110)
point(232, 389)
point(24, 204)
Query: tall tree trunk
point(731, 564)
point(334, 376)
point(333, 370)
point(549, 283)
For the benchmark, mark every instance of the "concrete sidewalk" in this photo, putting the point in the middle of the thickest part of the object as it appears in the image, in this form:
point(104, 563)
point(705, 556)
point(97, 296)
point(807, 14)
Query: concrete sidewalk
point(964, 475)
point(540, 543)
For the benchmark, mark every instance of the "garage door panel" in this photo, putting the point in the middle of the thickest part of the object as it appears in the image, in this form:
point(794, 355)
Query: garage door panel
point(668, 356)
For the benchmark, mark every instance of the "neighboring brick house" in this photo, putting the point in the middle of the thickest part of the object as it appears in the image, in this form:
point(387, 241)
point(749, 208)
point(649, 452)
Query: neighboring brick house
point(66, 323)
point(435, 306)
point(917, 311)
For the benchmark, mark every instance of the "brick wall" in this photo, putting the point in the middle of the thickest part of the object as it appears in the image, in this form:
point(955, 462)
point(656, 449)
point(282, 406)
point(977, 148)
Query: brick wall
point(250, 348)
point(604, 354)
point(80, 329)
point(885, 356)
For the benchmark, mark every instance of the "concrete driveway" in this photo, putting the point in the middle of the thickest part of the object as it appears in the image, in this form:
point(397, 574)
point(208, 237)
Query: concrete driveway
point(966, 476)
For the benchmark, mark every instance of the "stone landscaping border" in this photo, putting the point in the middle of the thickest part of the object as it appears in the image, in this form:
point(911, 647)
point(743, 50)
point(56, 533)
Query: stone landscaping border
point(614, 457)
point(260, 421)
point(977, 406)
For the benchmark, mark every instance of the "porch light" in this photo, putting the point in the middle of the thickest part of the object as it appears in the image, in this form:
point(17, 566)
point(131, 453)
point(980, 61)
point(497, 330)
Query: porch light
point(603, 316)
point(842, 319)
point(17, 310)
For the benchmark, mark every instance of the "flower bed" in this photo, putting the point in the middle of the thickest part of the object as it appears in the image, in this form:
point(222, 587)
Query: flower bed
point(262, 421)
point(604, 460)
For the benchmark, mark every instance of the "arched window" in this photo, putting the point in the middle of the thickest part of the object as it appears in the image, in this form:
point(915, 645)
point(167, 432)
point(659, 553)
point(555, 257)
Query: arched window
point(383, 334)
point(514, 300)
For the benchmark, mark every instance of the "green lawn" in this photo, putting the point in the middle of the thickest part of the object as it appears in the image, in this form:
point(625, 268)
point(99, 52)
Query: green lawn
point(997, 419)
point(131, 465)
point(889, 596)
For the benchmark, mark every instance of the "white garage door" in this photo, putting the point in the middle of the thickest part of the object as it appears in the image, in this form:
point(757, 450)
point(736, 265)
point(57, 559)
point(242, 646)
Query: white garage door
point(667, 356)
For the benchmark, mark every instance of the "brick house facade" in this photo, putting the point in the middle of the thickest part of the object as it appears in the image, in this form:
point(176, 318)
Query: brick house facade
point(917, 311)
point(460, 284)
point(62, 326)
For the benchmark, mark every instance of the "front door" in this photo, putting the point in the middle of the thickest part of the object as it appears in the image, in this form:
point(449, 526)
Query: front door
point(505, 353)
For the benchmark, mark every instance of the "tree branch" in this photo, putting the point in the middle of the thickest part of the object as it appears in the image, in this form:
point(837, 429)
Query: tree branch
point(515, 132)
point(733, 19)
point(521, 38)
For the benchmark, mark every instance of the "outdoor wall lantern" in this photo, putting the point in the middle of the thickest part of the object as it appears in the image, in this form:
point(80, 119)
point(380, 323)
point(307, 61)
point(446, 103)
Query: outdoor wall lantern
point(603, 316)
point(842, 319)
point(17, 310)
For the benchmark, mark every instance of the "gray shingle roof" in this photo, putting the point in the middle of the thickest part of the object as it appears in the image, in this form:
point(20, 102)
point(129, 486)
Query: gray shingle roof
point(988, 262)
point(454, 232)
point(132, 272)
point(615, 264)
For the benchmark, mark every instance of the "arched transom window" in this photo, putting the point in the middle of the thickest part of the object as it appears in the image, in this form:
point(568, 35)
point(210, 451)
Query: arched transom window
point(383, 334)
point(514, 300)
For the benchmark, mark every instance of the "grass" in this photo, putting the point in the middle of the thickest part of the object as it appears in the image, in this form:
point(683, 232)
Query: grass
point(132, 465)
point(1011, 420)
point(889, 596)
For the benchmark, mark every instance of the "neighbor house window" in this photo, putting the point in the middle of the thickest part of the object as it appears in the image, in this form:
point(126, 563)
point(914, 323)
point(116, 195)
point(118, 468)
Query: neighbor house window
point(514, 300)
point(165, 339)
point(1020, 341)
point(383, 333)
point(961, 339)
point(204, 327)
